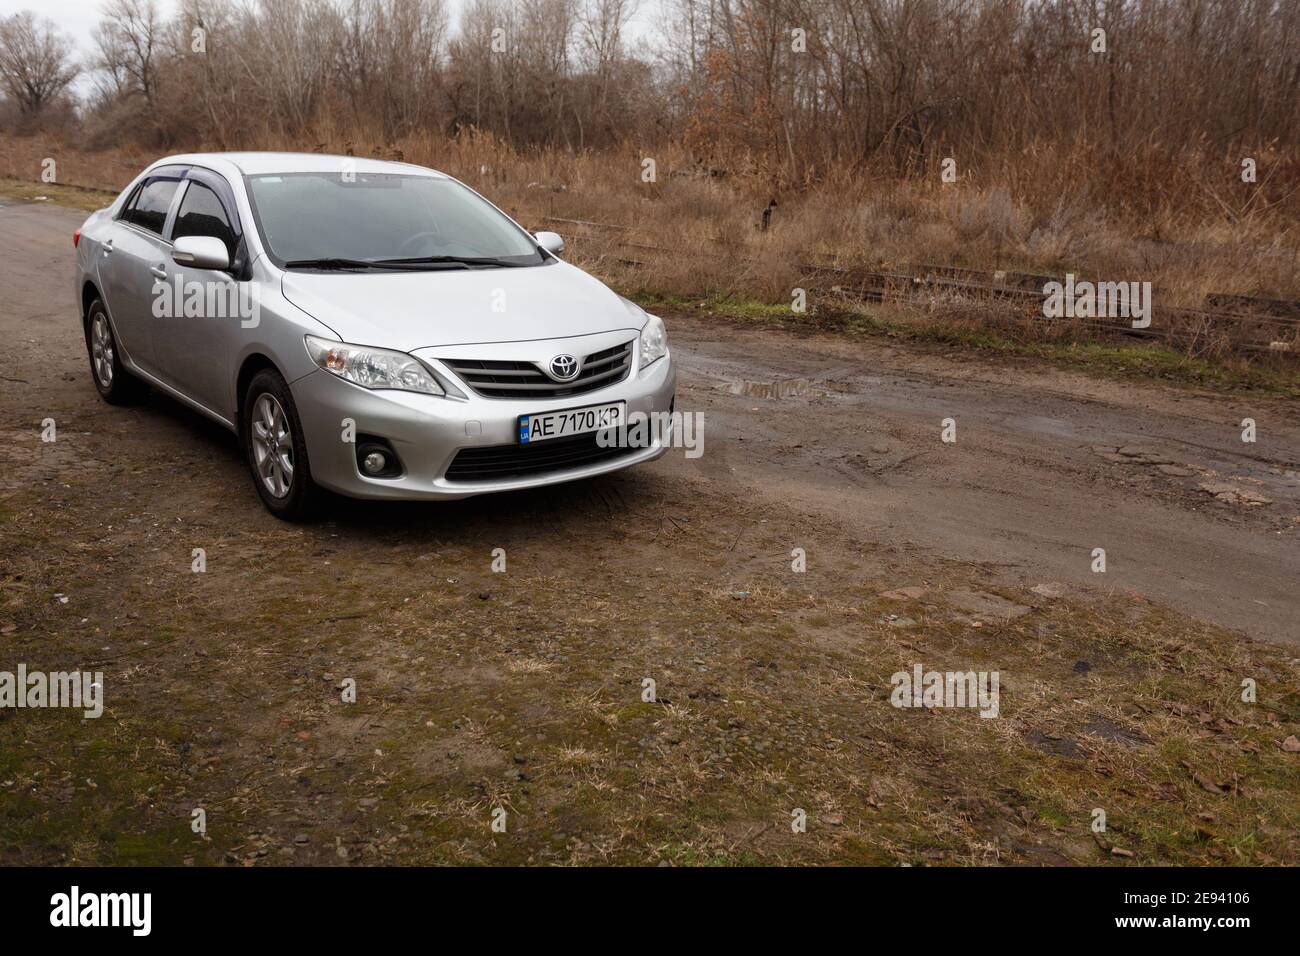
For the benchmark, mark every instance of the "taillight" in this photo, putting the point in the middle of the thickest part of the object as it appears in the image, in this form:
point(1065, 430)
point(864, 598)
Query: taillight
point(76, 237)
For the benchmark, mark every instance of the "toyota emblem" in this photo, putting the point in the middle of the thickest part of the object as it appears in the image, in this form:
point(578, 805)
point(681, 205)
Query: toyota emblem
point(564, 368)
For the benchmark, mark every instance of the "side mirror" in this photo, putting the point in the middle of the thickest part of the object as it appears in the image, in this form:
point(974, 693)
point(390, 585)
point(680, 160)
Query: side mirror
point(200, 252)
point(550, 241)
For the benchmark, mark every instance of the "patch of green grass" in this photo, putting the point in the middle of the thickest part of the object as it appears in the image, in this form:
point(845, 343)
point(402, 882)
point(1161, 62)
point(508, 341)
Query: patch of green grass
point(686, 855)
point(1145, 360)
point(1138, 360)
point(75, 197)
point(728, 306)
point(153, 848)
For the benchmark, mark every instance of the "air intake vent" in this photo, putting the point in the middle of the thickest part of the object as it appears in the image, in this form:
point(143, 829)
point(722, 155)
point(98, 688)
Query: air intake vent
point(496, 462)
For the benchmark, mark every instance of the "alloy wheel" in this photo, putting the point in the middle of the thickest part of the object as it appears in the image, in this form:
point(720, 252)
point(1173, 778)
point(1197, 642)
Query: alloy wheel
point(101, 350)
point(272, 445)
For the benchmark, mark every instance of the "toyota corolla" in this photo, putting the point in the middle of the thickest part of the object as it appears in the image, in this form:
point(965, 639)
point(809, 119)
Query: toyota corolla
point(373, 328)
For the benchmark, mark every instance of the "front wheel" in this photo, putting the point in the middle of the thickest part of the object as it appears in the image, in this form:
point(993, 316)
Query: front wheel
point(276, 448)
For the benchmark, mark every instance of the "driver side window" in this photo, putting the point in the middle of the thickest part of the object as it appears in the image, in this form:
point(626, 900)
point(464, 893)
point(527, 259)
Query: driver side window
point(201, 214)
point(148, 207)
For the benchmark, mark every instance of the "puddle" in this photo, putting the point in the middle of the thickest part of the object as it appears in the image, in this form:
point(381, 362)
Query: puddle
point(788, 388)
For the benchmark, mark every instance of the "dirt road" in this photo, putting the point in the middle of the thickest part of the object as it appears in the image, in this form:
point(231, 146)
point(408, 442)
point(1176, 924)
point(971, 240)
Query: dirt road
point(523, 691)
point(1047, 465)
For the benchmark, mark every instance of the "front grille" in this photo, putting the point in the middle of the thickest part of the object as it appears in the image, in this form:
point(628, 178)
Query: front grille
point(516, 461)
point(498, 379)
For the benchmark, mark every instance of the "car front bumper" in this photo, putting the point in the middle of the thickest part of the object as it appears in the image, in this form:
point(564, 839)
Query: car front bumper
point(427, 432)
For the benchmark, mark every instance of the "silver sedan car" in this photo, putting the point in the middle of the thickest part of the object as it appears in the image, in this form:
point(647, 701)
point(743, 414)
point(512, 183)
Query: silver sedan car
point(373, 328)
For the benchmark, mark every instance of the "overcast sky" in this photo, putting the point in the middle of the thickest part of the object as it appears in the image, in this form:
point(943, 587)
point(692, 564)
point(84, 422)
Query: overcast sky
point(74, 17)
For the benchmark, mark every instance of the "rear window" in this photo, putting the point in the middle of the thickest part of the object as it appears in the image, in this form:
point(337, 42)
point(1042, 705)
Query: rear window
point(148, 209)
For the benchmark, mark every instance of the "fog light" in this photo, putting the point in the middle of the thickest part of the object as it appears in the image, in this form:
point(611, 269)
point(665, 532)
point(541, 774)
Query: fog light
point(376, 458)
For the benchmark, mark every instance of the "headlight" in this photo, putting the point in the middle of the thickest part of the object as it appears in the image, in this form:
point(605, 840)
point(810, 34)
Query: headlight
point(654, 341)
point(373, 368)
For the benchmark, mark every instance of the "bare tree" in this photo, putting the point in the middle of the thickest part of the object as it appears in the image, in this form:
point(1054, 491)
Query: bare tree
point(128, 41)
point(108, 63)
point(602, 23)
point(288, 52)
point(789, 89)
point(35, 62)
point(600, 35)
point(391, 59)
point(200, 50)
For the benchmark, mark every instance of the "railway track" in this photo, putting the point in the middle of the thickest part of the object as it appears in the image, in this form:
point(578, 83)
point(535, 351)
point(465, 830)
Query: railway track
point(1241, 323)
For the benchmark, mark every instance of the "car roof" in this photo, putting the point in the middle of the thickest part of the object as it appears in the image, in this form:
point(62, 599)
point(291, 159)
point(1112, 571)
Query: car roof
point(258, 164)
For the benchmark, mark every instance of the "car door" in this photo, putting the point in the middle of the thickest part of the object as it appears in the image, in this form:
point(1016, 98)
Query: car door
point(131, 264)
point(195, 341)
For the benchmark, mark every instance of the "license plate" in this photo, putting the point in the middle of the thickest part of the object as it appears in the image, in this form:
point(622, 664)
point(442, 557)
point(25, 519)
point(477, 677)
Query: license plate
point(570, 421)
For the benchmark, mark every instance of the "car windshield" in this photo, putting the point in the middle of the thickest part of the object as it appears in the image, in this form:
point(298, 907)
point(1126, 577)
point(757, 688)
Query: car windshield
point(359, 218)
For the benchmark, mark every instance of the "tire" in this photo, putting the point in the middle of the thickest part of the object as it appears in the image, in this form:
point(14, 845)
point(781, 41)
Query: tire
point(114, 383)
point(276, 449)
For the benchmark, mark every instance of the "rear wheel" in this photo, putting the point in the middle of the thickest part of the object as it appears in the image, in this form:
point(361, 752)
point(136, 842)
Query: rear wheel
point(276, 448)
point(114, 383)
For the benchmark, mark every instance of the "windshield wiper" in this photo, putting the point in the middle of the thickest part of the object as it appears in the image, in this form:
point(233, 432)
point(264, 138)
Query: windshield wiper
point(327, 264)
point(403, 265)
point(467, 261)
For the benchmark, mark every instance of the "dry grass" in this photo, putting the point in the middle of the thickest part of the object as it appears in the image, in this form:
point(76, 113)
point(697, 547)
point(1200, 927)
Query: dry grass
point(696, 233)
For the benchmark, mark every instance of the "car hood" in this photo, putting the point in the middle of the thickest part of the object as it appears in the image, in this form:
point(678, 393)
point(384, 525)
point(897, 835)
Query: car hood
point(412, 310)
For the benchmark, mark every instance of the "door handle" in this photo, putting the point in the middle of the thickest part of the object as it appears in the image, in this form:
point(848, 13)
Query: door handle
point(159, 271)
point(108, 247)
